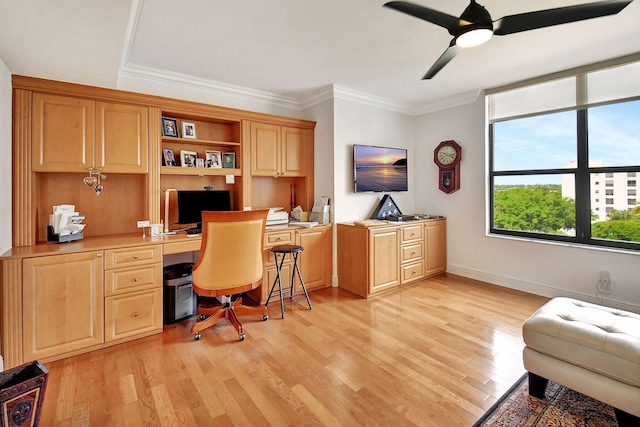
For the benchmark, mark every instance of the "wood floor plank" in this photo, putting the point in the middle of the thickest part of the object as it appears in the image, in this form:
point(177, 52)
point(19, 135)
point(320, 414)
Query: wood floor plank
point(435, 353)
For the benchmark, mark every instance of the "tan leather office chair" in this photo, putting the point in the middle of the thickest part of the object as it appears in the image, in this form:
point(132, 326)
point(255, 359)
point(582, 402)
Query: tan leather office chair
point(229, 263)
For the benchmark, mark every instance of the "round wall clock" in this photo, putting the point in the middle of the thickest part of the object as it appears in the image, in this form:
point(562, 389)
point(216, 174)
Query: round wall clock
point(447, 156)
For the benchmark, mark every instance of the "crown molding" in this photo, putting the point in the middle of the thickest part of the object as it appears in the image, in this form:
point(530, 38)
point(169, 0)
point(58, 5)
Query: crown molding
point(187, 82)
point(450, 102)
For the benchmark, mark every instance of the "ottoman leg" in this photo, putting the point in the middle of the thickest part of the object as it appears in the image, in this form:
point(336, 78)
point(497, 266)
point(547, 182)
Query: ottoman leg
point(625, 419)
point(537, 385)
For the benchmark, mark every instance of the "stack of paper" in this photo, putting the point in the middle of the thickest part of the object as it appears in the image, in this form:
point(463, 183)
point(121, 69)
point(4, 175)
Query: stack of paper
point(277, 216)
point(65, 220)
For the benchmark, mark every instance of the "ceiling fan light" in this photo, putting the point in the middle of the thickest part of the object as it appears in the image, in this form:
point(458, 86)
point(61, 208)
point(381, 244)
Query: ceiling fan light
point(474, 37)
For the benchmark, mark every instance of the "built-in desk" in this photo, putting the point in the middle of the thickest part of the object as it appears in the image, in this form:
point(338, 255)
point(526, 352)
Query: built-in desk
point(59, 300)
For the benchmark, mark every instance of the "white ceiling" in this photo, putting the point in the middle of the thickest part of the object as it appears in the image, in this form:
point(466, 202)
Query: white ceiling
point(294, 48)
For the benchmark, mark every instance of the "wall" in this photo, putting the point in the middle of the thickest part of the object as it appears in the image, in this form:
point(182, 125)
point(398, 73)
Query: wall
point(5, 160)
point(356, 123)
point(540, 268)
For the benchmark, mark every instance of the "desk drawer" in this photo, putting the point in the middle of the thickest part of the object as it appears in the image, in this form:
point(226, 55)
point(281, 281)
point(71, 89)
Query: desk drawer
point(132, 314)
point(129, 257)
point(412, 252)
point(412, 272)
point(275, 238)
point(180, 247)
point(411, 232)
point(130, 279)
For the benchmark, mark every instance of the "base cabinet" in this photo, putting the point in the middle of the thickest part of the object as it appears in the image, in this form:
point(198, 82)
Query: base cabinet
point(63, 303)
point(314, 261)
point(372, 260)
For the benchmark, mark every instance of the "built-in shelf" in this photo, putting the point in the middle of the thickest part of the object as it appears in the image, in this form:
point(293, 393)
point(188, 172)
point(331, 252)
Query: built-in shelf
point(185, 171)
point(200, 141)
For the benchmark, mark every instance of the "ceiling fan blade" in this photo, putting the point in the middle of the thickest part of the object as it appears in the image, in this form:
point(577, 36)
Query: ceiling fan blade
point(451, 23)
point(547, 18)
point(444, 59)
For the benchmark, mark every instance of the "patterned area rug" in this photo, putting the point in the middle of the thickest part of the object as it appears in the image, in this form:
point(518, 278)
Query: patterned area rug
point(561, 407)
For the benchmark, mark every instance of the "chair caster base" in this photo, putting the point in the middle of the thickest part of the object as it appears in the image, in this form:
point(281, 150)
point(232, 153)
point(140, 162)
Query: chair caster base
point(241, 336)
point(197, 336)
point(265, 317)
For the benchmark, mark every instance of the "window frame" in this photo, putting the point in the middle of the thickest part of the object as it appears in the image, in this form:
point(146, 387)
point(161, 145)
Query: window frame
point(582, 175)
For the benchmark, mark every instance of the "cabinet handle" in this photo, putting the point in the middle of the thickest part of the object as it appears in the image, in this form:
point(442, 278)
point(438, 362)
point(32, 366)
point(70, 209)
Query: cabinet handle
point(413, 253)
point(99, 255)
point(135, 279)
point(413, 273)
point(135, 257)
point(135, 314)
point(413, 234)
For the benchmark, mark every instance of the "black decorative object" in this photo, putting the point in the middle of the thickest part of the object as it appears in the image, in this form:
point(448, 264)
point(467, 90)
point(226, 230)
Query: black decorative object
point(387, 207)
point(22, 394)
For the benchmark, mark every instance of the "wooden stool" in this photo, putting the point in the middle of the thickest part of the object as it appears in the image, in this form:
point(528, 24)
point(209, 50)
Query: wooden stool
point(283, 250)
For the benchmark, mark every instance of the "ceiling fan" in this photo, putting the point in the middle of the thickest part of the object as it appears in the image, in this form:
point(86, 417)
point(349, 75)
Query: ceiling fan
point(475, 25)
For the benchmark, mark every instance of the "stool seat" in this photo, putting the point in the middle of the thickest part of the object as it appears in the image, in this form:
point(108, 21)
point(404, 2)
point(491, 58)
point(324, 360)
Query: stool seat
point(287, 249)
point(282, 251)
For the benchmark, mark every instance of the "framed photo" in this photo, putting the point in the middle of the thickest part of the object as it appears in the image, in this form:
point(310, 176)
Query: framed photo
point(169, 127)
point(213, 159)
point(188, 159)
point(199, 162)
point(189, 130)
point(168, 157)
point(229, 160)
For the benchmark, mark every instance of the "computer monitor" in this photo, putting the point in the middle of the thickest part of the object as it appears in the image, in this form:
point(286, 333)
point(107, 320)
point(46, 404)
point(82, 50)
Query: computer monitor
point(191, 203)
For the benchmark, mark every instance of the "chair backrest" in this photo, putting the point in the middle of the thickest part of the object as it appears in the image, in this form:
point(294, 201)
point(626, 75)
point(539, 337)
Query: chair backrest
point(230, 259)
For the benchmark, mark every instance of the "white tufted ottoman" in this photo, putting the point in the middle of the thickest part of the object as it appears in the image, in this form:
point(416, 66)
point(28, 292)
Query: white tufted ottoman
point(588, 348)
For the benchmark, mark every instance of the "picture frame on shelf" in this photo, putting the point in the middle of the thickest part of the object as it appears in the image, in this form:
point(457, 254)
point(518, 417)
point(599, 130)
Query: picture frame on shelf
point(213, 159)
point(168, 157)
point(188, 159)
point(169, 127)
point(200, 162)
point(229, 160)
point(189, 130)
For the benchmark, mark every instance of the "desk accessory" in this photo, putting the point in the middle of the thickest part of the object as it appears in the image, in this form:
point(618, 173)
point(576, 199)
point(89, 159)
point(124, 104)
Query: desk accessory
point(65, 224)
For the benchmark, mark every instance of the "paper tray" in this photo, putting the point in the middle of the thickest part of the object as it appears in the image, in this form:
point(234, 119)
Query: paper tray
point(56, 238)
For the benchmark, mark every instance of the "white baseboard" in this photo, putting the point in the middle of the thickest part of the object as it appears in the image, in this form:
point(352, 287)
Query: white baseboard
point(536, 288)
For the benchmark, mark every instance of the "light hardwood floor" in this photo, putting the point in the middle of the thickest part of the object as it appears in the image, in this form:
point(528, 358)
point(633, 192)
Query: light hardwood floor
point(435, 353)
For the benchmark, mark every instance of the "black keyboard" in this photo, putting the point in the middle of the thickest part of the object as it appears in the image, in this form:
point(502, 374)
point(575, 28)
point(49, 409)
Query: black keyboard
point(194, 230)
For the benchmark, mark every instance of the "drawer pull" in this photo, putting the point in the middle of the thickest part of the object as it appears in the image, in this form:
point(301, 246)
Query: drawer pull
point(135, 257)
point(99, 255)
point(135, 279)
point(413, 273)
point(413, 234)
point(135, 314)
point(413, 253)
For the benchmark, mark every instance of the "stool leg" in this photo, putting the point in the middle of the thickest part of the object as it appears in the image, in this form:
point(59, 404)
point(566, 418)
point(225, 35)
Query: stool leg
point(277, 281)
point(304, 288)
point(537, 385)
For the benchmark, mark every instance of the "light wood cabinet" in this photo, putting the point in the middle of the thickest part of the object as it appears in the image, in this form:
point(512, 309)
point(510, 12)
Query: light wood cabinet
point(63, 303)
point(133, 282)
point(278, 151)
point(436, 241)
point(73, 134)
point(372, 260)
point(314, 261)
point(62, 134)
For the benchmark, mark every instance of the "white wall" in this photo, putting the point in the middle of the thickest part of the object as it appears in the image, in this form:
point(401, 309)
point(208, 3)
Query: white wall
point(540, 268)
point(356, 123)
point(5, 160)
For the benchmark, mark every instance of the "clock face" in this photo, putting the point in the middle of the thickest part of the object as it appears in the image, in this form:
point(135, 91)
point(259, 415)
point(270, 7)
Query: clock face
point(447, 155)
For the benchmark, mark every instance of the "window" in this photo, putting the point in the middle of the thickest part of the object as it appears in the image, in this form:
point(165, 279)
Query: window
point(547, 152)
point(631, 192)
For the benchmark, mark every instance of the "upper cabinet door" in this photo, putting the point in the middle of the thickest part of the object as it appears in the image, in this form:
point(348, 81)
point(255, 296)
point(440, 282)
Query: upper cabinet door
point(62, 134)
point(294, 151)
point(265, 149)
point(121, 138)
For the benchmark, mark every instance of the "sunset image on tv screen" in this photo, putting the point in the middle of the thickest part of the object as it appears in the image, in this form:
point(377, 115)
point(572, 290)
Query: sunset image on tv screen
point(380, 168)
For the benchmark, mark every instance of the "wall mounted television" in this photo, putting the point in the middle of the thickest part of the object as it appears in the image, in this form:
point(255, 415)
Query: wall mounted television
point(379, 169)
point(191, 203)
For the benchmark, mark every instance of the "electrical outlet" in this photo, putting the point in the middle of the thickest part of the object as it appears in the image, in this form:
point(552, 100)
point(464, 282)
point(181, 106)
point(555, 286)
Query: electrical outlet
point(605, 280)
